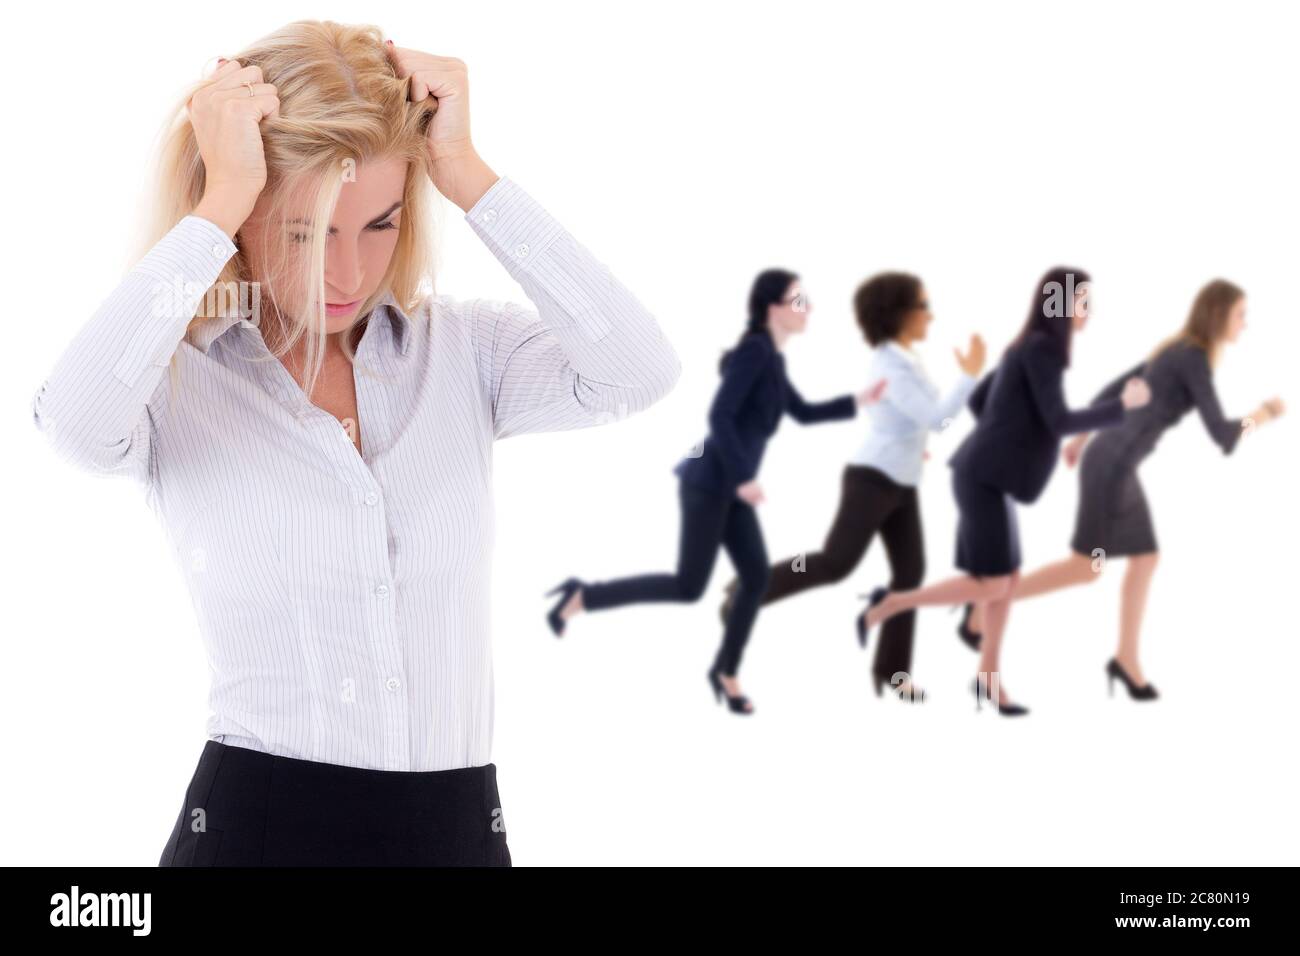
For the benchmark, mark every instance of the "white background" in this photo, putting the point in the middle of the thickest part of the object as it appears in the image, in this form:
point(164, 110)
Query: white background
point(691, 145)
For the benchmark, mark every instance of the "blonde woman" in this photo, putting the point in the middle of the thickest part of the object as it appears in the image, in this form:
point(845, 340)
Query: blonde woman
point(314, 426)
point(1113, 519)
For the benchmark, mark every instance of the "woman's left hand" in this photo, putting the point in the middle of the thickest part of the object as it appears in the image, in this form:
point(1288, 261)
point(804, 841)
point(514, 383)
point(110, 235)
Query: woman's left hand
point(1073, 449)
point(457, 170)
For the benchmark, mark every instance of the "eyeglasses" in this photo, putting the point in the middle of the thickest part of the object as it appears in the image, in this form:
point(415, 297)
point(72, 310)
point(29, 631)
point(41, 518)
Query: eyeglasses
point(799, 302)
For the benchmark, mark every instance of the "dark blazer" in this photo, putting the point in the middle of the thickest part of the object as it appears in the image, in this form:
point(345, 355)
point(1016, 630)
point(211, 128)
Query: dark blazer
point(746, 411)
point(1181, 379)
point(1021, 417)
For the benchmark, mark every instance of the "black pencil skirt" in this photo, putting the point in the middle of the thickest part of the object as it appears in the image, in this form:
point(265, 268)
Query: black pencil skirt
point(247, 808)
point(988, 536)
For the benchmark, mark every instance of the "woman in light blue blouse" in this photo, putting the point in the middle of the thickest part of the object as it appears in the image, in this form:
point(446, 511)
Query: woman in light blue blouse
point(879, 482)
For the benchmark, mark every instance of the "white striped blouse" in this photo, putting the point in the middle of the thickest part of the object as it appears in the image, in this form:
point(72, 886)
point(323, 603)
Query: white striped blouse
point(344, 600)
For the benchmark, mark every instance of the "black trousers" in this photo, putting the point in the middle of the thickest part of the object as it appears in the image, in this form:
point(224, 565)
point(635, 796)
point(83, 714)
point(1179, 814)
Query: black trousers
point(709, 520)
point(870, 502)
point(247, 808)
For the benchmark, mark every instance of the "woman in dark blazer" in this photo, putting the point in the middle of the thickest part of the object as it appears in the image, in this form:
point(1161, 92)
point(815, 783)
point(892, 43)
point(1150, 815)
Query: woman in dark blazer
point(718, 488)
point(1021, 416)
point(1113, 519)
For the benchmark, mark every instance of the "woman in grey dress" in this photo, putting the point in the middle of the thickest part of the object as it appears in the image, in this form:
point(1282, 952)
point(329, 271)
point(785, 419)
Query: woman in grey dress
point(1113, 519)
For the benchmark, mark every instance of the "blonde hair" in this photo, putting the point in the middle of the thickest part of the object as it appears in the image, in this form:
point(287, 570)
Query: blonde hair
point(341, 104)
point(1207, 323)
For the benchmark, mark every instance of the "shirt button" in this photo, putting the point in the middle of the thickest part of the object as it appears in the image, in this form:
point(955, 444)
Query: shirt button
point(372, 498)
point(219, 251)
point(521, 250)
point(382, 590)
point(490, 216)
point(392, 683)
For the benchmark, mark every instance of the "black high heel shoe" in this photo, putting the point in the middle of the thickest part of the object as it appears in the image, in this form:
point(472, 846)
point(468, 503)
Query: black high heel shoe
point(1115, 671)
point(1006, 710)
point(737, 705)
point(913, 694)
point(969, 637)
point(566, 590)
point(860, 622)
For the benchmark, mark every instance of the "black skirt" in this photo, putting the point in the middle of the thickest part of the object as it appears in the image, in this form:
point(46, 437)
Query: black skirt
point(1113, 516)
point(988, 538)
point(247, 808)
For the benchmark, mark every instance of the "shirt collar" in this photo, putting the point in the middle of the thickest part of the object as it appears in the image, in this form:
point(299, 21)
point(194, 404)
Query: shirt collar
point(205, 333)
point(398, 321)
point(208, 332)
point(892, 346)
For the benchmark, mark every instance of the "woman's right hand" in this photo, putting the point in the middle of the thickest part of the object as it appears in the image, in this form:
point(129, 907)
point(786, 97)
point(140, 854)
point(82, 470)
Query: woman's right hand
point(1267, 411)
point(1136, 393)
point(972, 362)
point(750, 493)
point(226, 114)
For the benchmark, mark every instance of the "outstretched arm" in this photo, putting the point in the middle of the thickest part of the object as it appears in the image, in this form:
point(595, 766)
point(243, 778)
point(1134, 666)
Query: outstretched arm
point(1196, 375)
point(808, 413)
point(911, 398)
point(1116, 388)
point(1046, 373)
